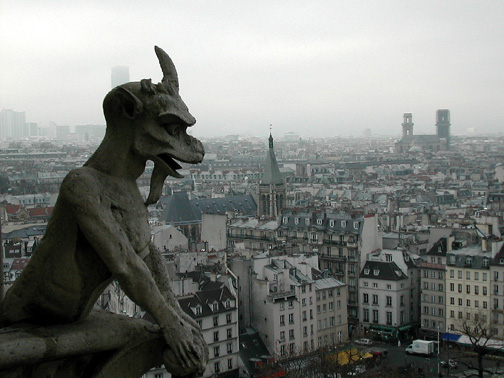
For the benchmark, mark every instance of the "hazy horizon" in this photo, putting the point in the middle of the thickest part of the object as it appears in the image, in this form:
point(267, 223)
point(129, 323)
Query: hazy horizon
point(320, 68)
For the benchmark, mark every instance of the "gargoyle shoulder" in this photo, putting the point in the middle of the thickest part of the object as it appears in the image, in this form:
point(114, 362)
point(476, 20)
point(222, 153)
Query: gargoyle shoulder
point(81, 186)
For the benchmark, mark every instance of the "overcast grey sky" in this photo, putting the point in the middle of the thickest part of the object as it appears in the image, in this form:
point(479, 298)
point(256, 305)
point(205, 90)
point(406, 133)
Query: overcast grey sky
point(323, 67)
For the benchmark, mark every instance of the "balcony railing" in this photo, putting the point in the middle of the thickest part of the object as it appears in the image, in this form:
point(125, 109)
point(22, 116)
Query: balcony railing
point(335, 242)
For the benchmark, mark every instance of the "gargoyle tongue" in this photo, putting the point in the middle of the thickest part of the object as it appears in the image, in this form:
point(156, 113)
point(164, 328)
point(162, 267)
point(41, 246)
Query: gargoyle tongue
point(156, 184)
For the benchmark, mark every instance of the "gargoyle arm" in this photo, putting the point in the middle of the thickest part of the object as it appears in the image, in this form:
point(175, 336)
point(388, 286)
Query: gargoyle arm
point(81, 190)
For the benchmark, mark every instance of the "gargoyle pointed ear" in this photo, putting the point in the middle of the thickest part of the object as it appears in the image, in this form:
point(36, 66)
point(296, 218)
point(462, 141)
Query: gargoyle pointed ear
point(130, 104)
point(170, 77)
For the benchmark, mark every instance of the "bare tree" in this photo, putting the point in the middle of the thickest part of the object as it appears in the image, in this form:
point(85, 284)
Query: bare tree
point(481, 337)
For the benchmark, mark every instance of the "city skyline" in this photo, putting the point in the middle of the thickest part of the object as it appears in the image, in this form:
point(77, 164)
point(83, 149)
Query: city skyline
point(313, 69)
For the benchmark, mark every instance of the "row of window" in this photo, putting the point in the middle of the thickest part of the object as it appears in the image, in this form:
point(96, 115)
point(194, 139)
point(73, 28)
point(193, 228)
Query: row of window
point(331, 307)
point(330, 293)
point(468, 275)
point(214, 306)
point(229, 349)
point(440, 274)
point(468, 316)
point(468, 289)
point(323, 324)
point(216, 320)
point(468, 302)
point(376, 317)
point(440, 299)
point(376, 285)
point(282, 319)
point(217, 365)
point(434, 311)
point(433, 286)
point(320, 222)
point(229, 334)
point(376, 302)
point(427, 323)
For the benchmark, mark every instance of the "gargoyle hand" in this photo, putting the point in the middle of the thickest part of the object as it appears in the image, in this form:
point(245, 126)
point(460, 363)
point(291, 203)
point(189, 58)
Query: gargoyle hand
point(186, 346)
point(189, 320)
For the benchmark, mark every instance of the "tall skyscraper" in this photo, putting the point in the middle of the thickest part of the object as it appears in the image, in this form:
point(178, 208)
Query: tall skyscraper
point(119, 75)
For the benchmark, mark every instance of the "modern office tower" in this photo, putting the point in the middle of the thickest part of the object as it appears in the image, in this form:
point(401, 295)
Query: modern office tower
point(119, 75)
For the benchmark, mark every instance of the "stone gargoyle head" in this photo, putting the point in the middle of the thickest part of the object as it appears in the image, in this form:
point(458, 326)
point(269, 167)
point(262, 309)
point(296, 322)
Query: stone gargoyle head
point(154, 119)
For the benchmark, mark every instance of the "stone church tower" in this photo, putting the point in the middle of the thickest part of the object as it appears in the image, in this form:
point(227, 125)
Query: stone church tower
point(271, 188)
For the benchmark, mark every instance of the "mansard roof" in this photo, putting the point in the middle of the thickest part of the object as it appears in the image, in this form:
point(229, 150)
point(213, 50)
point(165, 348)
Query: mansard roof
point(439, 248)
point(179, 209)
point(205, 299)
point(382, 270)
point(329, 222)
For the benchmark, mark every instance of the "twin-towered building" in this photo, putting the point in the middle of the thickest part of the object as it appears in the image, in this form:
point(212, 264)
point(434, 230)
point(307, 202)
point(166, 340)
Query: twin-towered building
point(433, 143)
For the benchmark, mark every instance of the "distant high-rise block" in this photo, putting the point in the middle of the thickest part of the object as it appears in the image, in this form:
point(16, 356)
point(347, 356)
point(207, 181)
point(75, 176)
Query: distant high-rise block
point(13, 124)
point(119, 75)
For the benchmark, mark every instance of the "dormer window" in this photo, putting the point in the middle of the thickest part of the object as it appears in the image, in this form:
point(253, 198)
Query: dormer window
point(376, 272)
point(319, 222)
point(343, 224)
point(356, 225)
point(366, 271)
point(296, 220)
point(285, 220)
point(485, 262)
point(215, 306)
point(331, 223)
point(307, 221)
point(468, 260)
point(197, 310)
point(227, 304)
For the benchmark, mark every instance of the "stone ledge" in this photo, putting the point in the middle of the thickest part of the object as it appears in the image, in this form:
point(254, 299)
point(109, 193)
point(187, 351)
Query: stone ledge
point(103, 345)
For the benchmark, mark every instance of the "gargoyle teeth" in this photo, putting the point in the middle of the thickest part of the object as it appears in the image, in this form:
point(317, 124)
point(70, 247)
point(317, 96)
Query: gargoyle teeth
point(170, 161)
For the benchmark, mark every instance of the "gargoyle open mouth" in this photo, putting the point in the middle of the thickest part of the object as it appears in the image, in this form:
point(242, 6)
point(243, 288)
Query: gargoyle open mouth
point(170, 161)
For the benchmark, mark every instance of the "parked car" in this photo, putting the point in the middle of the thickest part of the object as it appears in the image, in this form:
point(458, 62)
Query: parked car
point(451, 363)
point(359, 369)
point(363, 342)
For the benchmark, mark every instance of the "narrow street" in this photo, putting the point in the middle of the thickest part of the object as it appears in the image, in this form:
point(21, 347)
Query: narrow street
point(429, 365)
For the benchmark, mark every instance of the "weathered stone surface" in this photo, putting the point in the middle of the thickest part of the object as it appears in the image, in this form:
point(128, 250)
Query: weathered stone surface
point(99, 232)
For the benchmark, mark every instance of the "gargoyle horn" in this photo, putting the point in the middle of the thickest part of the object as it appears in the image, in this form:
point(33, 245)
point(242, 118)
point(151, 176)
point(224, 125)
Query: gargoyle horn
point(170, 77)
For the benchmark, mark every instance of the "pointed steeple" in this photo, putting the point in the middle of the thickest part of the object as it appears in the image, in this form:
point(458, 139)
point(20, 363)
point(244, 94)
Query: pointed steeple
point(272, 175)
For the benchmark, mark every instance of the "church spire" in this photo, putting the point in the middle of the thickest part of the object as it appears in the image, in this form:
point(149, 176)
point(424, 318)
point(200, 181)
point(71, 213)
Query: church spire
point(272, 173)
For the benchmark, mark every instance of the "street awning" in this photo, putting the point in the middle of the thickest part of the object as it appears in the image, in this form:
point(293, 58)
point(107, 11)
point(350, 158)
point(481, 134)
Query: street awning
point(450, 337)
point(406, 327)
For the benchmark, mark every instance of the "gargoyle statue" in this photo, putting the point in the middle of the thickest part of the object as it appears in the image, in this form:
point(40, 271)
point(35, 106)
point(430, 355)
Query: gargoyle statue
point(99, 230)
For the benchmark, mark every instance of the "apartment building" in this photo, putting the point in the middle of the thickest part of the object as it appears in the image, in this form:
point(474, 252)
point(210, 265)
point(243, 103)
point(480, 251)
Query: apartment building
point(389, 292)
point(338, 239)
point(283, 303)
point(497, 294)
point(467, 287)
point(215, 310)
point(433, 285)
point(332, 320)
